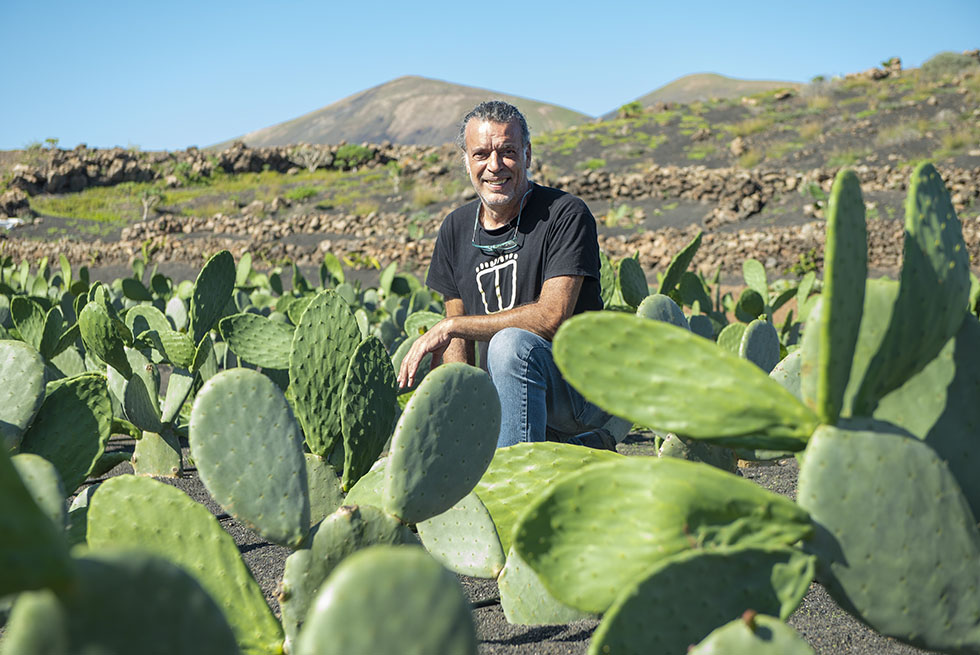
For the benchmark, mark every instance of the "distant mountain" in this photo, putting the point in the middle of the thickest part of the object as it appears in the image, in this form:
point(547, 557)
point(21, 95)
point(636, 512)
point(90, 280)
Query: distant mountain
point(705, 86)
point(407, 110)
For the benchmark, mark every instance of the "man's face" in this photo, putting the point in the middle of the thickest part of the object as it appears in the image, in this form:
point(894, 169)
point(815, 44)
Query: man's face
point(497, 160)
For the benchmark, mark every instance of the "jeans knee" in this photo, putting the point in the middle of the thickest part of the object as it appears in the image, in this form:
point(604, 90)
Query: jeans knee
point(506, 348)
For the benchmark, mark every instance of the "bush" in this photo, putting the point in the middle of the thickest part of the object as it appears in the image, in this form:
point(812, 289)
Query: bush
point(593, 164)
point(301, 193)
point(350, 155)
point(631, 110)
point(948, 63)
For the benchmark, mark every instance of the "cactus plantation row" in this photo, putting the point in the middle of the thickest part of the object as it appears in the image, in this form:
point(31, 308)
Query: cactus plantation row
point(287, 401)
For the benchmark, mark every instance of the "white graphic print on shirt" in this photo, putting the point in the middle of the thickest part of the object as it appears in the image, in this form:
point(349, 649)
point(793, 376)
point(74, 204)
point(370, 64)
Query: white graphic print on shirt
point(497, 281)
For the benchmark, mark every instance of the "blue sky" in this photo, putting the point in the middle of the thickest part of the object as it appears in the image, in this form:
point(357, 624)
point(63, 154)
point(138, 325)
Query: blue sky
point(170, 75)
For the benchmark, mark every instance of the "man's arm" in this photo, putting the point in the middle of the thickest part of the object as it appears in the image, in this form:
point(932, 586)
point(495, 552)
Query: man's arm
point(458, 350)
point(543, 317)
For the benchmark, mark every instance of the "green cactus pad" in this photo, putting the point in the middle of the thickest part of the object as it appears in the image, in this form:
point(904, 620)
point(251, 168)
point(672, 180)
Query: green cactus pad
point(176, 347)
point(443, 442)
point(37, 625)
point(179, 388)
point(341, 534)
point(72, 427)
point(520, 473)
point(661, 308)
point(420, 322)
point(831, 335)
point(19, 402)
point(370, 407)
point(464, 539)
point(632, 281)
point(323, 344)
point(139, 513)
point(33, 552)
point(526, 601)
point(324, 488)
point(879, 301)
point(424, 366)
point(699, 451)
point(68, 362)
point(28, 318)
point(897, 544)
point(369, 489)
point(44, 484)
point(701, 325)
point(587, 549)
point(258, 340)
point(99, 333)
point(142, 406)
point(939, 405)
point(659, 614)
point(249, 454)
point(737, 405)
point(758, 634)
point(78, 516)
point(130, 603)
point(212, 291)
point(423, 606)
point(205, 360)
point(934, 289)
point(157, 454)
point(678, 265)
point(760, 345)
point(730, 337)
point(787, 373)
point(141, 318)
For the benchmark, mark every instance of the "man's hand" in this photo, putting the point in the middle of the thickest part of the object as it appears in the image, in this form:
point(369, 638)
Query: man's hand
point(434, 341)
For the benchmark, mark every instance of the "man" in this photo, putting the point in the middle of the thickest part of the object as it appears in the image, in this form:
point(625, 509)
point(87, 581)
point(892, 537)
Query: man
point(512, 266)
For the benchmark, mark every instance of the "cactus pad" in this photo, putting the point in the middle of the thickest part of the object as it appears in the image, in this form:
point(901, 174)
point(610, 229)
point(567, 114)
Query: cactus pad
point(249, 454)
point(341, 534)
point(737, 405)
point(44, 484)
point(699, 451)
point(19, 402)
point(323, 344)
point(730, 337)
point(368, 490)
point(632, 281)
point(658, 614)
point(72, 427)
point(370, 407)
point(158, 454)
point(661, 308)
point(520, 473)
point(906, 561)
point(587, 550)
point(787, 373)
point(258, 340)
point(212, 291)
point(423, 606)
point(758, 634)
point(760, 345)
point(142, 514)
point(678, 265)
point(420, 322)
point(101, 338)
point(525, 601)
point(464, 539)
point(33, 553)
point(934, 289)
point(443, 442)
point(129, 603)
point(324, 488)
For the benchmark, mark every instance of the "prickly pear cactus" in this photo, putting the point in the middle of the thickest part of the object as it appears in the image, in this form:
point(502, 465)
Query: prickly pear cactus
point(33, 552)
point(588, 550)
point(906, 563)
point(249, 454)
point(526, 601)
point(257, 340)
point(661, 308)
point(740, 406)
point(370, 407)
point(324, 487)
point(341, 534)
point(760, 345)
point(212, 291)
point(128, 512)
point(464, 539)
point(158, 454)
point(787, 373)
point(424, 607)
point(44, 484)
point(698, 451)
point(632, 281)
point(730, 337)
point(369, 489)
point(19, 402)
point(443, 442)
point(678, 265)
point(324, 342)
point(754, 633)
point(101, 338)
point(520, 473)
point(123, 603)
point(934, 289)
point(659, 615)
point(831, 335)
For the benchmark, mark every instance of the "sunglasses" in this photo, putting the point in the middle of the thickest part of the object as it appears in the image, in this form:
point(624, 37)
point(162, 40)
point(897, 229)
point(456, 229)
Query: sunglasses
point(510, 245)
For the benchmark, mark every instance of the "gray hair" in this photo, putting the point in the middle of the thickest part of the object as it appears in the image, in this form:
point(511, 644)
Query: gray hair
point(493, 111)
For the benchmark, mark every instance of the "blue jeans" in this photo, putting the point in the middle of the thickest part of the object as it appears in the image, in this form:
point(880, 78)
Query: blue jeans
point(534, 397)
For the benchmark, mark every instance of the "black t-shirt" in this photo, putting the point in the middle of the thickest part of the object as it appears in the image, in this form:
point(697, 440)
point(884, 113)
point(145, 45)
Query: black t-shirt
point(557, 236)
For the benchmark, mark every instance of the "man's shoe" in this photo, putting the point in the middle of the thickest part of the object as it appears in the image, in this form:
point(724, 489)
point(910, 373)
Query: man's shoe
point(598, 438)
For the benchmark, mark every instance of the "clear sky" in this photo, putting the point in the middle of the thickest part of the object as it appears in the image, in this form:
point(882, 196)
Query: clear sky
point(173, 74)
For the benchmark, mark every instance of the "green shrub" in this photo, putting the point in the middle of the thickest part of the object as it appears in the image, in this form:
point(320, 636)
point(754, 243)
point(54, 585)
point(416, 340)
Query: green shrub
point(350, 155)
point(631, 110)
point(301, 193)
point(948, 63)
point(593, 164)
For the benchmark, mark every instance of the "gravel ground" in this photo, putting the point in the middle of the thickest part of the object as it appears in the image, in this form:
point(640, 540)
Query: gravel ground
point(828, 629)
